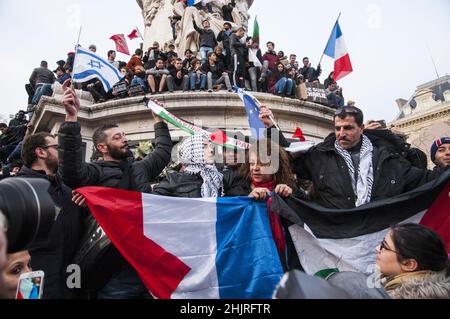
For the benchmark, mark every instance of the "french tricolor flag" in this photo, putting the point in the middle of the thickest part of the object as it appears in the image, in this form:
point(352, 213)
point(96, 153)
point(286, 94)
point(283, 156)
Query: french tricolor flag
point(337, 50)
point(191, 248)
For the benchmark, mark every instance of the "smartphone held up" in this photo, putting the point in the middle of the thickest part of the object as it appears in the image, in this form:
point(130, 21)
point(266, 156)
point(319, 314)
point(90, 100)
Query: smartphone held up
point(31, 285)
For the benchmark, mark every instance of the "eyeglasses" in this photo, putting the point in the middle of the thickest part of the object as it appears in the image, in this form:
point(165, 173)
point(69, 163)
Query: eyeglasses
point(383, 245)
point(55, 146)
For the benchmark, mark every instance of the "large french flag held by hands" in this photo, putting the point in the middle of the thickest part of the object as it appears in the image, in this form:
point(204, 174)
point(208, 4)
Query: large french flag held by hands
point(191, 248)
point(337, 50)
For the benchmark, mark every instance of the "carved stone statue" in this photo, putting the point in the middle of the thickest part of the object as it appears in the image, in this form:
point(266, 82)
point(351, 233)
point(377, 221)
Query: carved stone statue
point(170, 21)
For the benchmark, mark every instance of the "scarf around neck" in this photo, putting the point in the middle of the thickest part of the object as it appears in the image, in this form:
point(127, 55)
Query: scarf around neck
point(192, 155)
point(274, 219)
point(362, 187)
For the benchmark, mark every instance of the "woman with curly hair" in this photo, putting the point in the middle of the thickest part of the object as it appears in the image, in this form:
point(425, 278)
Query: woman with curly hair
point(266, 171)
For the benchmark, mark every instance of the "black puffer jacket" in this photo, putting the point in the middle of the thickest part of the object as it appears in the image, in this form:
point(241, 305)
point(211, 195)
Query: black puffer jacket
point(393, 174)
point(54, 255)
point(180, 185)
point(76, 173)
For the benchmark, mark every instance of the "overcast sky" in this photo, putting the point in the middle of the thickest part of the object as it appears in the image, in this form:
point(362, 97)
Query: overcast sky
point(387, 41)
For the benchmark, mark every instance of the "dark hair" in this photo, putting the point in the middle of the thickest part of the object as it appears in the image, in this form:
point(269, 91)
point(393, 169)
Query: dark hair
point(171, 46)
point(187, 51)
point(3, 125)
point(305, 58)
point(138, 52)
point(270, 42)
point(414, 241)
point(159, 59)
point(352, 111)
point(179, 60)
point(29, 147)
point(44, 64)
point(210, 54)
point(122, 64)
point(292, 55)
point(206, 20)
point(284, 174)
point(228, 23)
point(99, 134)
point(110, 52)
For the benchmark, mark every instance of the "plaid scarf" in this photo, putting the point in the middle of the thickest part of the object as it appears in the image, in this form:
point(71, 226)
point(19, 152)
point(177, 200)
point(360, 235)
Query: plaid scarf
point(192, 155)
point(363, 186)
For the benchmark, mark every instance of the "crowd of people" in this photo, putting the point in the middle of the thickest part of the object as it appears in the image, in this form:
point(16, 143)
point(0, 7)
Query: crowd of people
point(230, 58)
point(353, 166)
point(356, 165)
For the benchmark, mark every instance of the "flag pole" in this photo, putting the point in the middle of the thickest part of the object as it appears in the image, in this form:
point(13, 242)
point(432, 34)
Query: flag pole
point(432, 59)
point(79, 36)
point(76, 49)
point(337, 20)
point(270, 117)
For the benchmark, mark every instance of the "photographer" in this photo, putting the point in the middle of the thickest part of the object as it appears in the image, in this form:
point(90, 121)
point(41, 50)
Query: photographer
point(334, 95)
point(106, 273)
point(40, 157)
point(14, 265)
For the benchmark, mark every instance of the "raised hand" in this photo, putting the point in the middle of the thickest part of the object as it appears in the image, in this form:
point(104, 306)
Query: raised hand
point(156, 117)
point(265, 115)
point(70, 101)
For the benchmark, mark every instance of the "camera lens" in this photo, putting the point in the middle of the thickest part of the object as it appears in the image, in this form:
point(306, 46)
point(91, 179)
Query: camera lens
point(29, 210)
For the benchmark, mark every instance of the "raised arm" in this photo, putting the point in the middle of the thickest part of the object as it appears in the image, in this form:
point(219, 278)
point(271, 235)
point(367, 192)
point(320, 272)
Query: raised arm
point(154, 163)
point(74, 171)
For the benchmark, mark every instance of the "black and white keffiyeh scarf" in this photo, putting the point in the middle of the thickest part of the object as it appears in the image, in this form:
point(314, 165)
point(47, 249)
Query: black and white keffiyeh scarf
point(363, 186)
point(192, 156)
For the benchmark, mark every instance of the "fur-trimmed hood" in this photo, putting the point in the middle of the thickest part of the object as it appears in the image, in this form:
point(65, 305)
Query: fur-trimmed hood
point(420, 285)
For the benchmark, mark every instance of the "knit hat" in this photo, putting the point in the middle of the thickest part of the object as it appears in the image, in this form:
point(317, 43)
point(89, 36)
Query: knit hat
point(436, 145)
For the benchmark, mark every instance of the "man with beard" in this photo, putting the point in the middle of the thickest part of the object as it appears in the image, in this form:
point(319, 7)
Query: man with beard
point(111, 277)
point(354, 166)
point(40, 157)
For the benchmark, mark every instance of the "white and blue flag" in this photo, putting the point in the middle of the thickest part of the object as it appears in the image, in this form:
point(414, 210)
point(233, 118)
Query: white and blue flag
point(88, 66)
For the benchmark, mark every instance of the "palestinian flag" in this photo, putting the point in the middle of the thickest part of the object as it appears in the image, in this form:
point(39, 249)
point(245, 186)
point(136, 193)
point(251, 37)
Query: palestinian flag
point(218, 137)
point(256, 36)
point(347, 239)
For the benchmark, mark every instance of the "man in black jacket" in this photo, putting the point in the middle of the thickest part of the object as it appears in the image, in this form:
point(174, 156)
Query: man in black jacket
point(215, 72)
point(353, 167)
point(238, 50)
point(224, 37)
point(40, 157)
point(116, 170)
point(309, 73)
point(178, 79)
point(208, 39)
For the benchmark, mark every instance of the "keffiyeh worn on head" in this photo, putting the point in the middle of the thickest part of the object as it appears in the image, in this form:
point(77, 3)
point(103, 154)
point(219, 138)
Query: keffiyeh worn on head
point(192, 156)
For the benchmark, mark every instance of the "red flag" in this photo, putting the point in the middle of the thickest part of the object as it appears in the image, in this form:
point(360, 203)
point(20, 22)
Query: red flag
point(299, 134)
point(219, 137)
point(133, 34)
point(121, 43)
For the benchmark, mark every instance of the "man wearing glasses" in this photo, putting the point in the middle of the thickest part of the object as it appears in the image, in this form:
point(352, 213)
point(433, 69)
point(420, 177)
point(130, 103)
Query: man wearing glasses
point(40, 157)
point(352, 167)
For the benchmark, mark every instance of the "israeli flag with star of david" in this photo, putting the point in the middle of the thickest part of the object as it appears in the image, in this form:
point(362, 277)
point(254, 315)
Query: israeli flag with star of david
point(88, 66)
